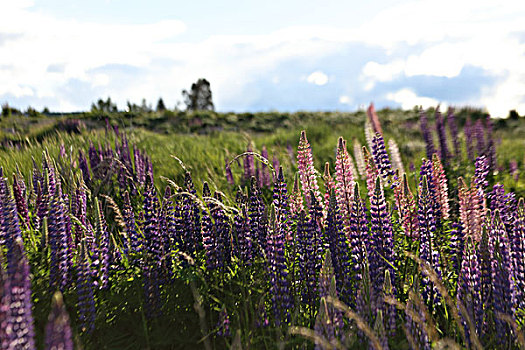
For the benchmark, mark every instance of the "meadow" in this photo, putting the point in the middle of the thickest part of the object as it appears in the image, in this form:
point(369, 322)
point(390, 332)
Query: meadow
point(401, 229)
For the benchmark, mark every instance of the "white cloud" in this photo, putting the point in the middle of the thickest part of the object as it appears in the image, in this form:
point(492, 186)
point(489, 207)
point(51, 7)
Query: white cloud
point(345, 100)
point(408, 99)
point(317, 78)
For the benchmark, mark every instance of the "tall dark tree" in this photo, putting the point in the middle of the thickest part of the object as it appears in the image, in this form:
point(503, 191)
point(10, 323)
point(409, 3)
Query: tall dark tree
point(161, 107)
point(199, 97)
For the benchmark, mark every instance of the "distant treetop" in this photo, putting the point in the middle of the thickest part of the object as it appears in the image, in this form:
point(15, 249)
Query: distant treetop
point(199, 97)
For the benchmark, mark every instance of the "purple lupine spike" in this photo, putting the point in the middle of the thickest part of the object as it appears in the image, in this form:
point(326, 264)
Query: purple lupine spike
point(19, 319)
point(338, 247)
point(329, 320)
point(382, 160)
point(249, 164)
point(103, 245)
point(427, 169)
point(305, 166)
point(191, 226)
point(280, 201)
point(264, 169)
point(58, 330)
point(277, 275)
point(223, 326)
point(296, 198)
point(306, 247)
point(469, 287)
point(442, 137)
point(453, 128)
point(256, 212)
point(153, 249)
point(359, 237)
point(167, 232)
point(228, 170)
point(209, 235)
point(479, 132)
point(60, 263)
point(469, 139)
point(21, 204)
point(416, 329)
point(5, 300)
point(36, 177)
point(371, 172)
point(517, 244)
point(10, 226)
point(381, 240)
point(505, 203)
point(456, 245)
point(276, 165)
point(258, 175)
point(243, 236)
point(427, 247)
point(480, 175)
point(329, 186)
point(503, 295)
point(134, 238)
point(344, 184)
point(85, 291)
point(427, 135)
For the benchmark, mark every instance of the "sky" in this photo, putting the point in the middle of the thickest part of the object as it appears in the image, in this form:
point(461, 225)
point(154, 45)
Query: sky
point(265, 55)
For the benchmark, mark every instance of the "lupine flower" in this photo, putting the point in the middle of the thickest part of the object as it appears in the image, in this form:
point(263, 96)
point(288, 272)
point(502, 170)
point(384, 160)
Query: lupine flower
point(442, 136)
point(58, 330)
point(265, 173)
point(381, 239)
point(427, 249)
point(305, 165)
point(427, 169)
point(249, 164)
point(517, 244)
point(153, 246)
point(479, 131)
point(60, 262)
point(329, 186)
point(134, 238)
point(19, 319)
point(307, 253)
point(344, 183)
point(480, 176)
point(441, 186)
point(167, 231)
point(503, 297)
point(277, 276)
point(190, 230)
point(456, 245)
point(296, 198)
point(339, 249)
point(505, 203)
point(85, 292)
point(382, 160)
point(276, 165)
point(21, 204)
point(223, 326)
point(427, 135)
point(374, 120)
point(469, 287)
point(228, 170)
point(243, 235)
point(209, 238)
point(103, 245)
point(416, 329)
point(453, 128)
point(329, 320)
point(5, 296)
point(490, 147)
point(372, 173)
point(397, 163)
point(257, 215)
point(369, 134)
point(407, 208)
point(359, 159)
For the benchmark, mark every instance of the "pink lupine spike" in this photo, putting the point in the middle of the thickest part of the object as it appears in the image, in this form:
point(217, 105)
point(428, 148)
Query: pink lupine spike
point(395, 155)
point(359, 159)
point(305, 165)
point(470, 211)
point(296, 198)
point(374, 120)
point(371, 172)
point(407, 208)
point(344, 182)
point(329, 185)
point(440, 183)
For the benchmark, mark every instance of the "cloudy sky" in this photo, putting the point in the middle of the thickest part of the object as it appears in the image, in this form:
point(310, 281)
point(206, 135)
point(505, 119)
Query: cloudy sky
point(264, 55)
